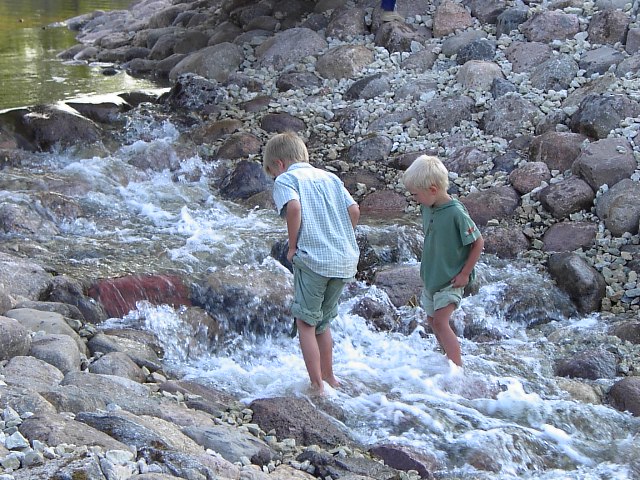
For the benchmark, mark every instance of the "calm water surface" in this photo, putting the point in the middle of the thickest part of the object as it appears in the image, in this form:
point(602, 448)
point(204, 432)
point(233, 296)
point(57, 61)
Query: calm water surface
point(31, 73)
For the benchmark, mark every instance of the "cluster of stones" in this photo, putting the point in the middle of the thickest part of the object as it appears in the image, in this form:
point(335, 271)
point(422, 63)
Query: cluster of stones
point(81, 402)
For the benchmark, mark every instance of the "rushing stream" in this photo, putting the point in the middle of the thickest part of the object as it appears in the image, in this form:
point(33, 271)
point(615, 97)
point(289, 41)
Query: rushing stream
point(505, 413)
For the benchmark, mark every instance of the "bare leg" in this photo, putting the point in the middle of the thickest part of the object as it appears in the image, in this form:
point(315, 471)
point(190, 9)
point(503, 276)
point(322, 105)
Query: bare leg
point(311, 354)
point(325, 344)
point(445, 335)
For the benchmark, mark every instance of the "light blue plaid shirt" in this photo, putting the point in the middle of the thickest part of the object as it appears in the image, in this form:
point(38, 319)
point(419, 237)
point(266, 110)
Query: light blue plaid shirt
point(326, 241)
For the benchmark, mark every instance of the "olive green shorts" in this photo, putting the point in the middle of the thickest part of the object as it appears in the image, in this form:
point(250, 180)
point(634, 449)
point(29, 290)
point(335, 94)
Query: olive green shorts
point(315, 298)
point(440, 299)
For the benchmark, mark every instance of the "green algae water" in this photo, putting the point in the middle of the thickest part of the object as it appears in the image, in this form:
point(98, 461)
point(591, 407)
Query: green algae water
point(31, 36)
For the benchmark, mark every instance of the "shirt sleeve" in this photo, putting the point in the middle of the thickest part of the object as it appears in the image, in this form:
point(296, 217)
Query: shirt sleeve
point(283, 193)
point(468, 230)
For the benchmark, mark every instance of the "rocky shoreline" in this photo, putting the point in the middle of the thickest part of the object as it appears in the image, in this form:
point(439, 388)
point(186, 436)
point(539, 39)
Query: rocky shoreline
point(534, 109)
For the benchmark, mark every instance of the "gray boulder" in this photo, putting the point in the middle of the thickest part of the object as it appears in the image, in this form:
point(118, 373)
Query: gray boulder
point(619, 207)
point(584, 284)
point(606, 161)
point(276, 52)
point(217, 62)
point(567, 196)
point(14, 339)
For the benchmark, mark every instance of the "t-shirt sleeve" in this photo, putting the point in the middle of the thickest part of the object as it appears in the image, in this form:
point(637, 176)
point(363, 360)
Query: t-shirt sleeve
point(348, 199)
point(468, 230)
point(283, 193)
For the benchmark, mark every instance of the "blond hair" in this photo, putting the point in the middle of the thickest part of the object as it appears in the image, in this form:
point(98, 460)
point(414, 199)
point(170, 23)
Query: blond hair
point(426, 171)
point(288, 147)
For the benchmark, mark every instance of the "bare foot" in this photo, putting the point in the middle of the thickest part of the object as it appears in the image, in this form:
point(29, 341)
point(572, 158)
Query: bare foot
point(315, 391)
point(333, 381)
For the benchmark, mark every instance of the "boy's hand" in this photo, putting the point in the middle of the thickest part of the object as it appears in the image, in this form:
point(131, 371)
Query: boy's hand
point(460, 280)
point(290, 253)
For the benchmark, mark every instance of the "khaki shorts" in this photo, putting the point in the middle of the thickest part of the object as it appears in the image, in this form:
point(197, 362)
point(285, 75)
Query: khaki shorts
point(315, 298)
point(440, 299)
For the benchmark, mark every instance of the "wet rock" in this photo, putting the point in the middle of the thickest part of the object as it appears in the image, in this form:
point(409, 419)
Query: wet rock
point(383, 203)
point(557, 150)
point(505, 242)
point(625, 395)
point(605, 161)
point(247, 179)
point(297, 418)
point(566, 197)
point(401, 283)
point(193, 92)
point(247, 299)
point(211, 131)
point(619, 207)
point(590, 364)
point(141, 347)
point(239, 145)
point(529, 176)
point(327, 465)
point(404, 458)
point(105, 112)
point(628, 331)
point(14, 339)
point(22, 217)
point(569, 236)
point(47, 126)
point(67, 290)
point(382, 316)
point(119, 296)
point(584, 284)
point(493, 203)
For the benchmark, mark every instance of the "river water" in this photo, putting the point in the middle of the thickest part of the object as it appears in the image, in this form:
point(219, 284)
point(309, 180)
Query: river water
point(505, 415)
point(32, 34)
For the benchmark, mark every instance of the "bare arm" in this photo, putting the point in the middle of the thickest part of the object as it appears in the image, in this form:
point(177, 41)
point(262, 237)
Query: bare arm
point(462, 278)
point(294, 220)
point(354, 214)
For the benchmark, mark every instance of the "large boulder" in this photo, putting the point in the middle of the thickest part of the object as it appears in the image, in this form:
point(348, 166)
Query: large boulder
point(619, 207)
point(584, 284)
point(216, 62)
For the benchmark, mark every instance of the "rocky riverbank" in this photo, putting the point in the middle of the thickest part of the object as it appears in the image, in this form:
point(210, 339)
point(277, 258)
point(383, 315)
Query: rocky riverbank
point(533, 107)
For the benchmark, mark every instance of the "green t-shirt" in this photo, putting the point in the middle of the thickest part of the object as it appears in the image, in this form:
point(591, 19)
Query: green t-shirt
point(448, 235)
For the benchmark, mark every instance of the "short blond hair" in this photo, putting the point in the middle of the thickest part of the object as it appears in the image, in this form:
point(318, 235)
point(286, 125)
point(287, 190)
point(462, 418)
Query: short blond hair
point(426, 171)
point(288, 147)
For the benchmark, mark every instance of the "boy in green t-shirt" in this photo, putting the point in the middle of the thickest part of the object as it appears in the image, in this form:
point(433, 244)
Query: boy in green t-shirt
point(452, 247)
